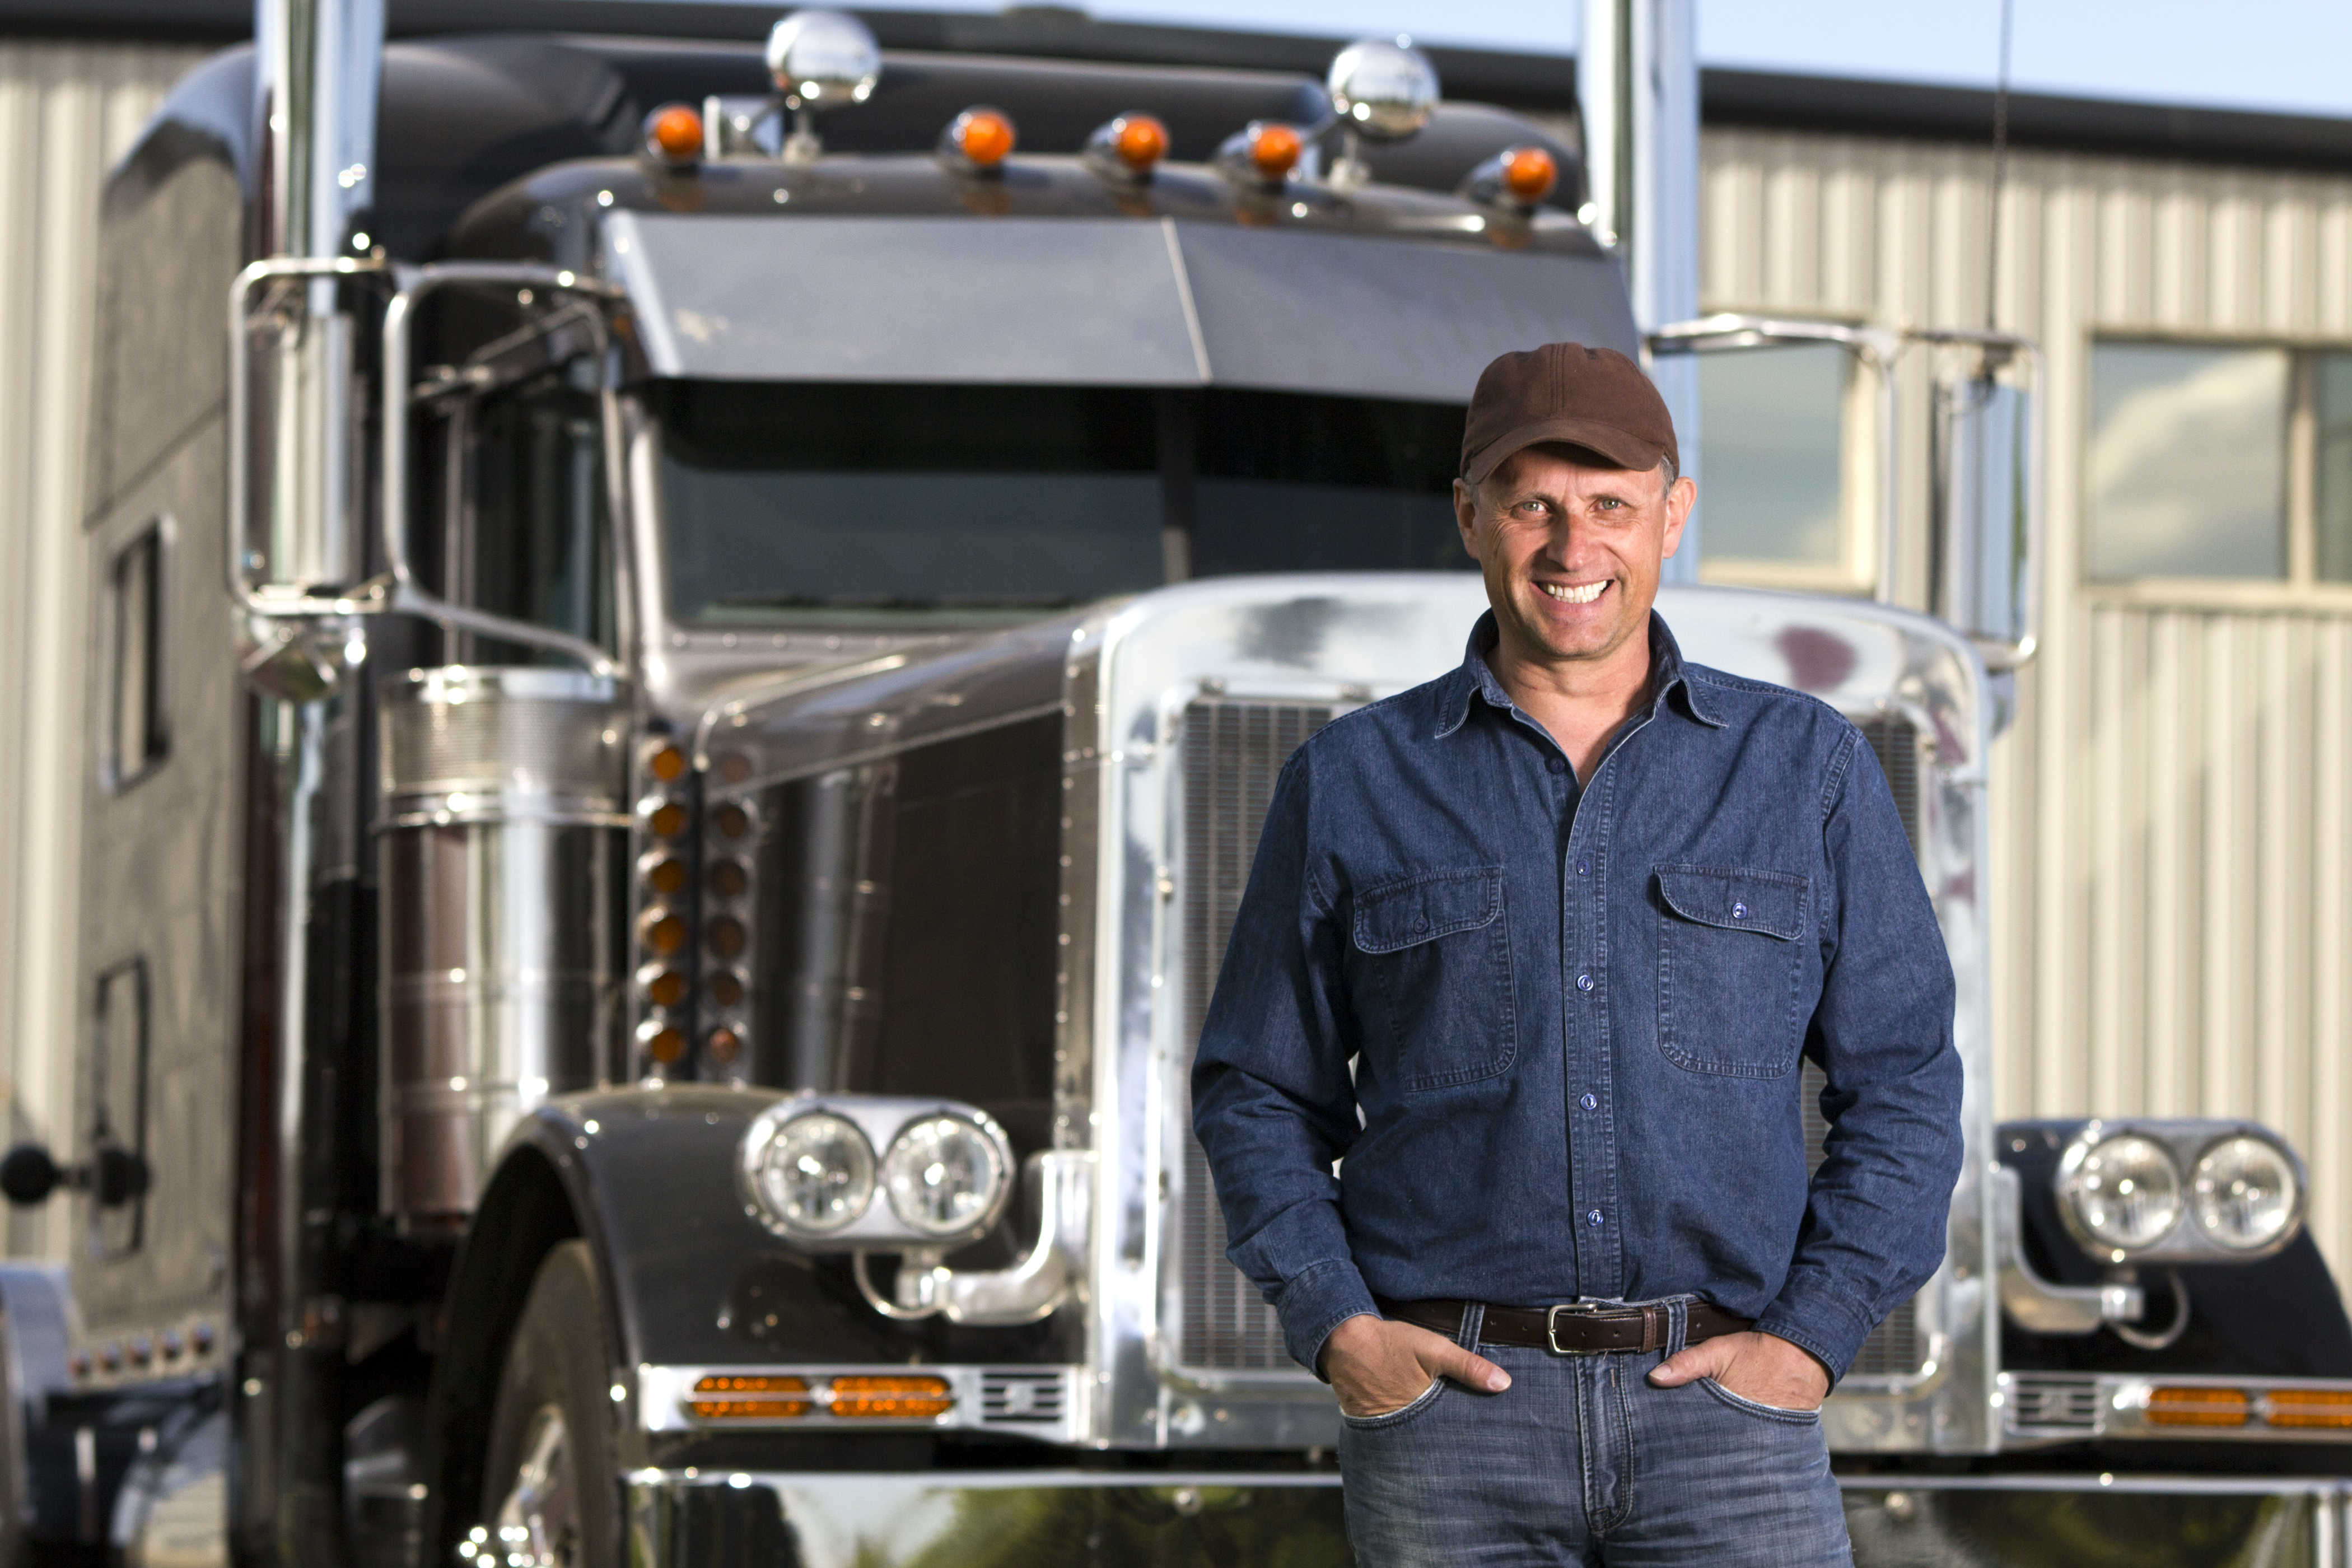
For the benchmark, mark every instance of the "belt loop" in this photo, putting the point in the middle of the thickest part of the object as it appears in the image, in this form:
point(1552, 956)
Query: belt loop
point(1473, 1319)
point(1654, 1319)
point(1677, 1325)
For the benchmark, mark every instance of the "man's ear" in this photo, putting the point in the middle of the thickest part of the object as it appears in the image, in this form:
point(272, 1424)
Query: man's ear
point(1681, 495)
point(1465, 518)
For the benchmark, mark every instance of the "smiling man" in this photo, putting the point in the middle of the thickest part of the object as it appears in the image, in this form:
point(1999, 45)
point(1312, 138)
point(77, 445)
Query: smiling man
point(1536, 949)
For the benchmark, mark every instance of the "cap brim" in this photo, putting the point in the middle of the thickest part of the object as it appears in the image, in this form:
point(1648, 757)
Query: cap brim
point(1621, 448)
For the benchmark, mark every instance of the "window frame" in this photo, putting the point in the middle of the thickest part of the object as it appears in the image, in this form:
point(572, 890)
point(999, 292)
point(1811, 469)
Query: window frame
point(114, 777)
point(1861, 444)
point(2300, 585)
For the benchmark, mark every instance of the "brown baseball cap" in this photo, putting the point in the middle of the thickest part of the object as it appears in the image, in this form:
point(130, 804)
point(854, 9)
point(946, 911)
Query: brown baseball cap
point(1594, 398)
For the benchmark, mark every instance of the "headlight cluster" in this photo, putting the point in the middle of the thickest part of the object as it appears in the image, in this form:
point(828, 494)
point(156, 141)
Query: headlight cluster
point(2179, 1190)
point(809, 1171)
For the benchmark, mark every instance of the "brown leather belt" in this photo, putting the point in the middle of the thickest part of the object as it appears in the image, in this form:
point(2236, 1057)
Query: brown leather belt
point(1576, 1328)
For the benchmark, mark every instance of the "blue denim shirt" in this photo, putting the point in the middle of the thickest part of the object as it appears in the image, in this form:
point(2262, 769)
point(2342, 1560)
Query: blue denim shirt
point(1574, 1026)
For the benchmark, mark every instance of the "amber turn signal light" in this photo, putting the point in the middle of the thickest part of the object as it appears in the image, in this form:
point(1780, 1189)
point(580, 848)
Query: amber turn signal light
point(977, 140)
point(748, 1398)
point(2173, 1407)
point(1529, 173)
point(891, 1399)
point(674, 134)
point(2310, 1408)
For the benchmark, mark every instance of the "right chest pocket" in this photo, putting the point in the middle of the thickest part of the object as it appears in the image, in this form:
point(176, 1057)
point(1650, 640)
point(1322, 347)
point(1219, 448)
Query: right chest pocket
point(1434, 993)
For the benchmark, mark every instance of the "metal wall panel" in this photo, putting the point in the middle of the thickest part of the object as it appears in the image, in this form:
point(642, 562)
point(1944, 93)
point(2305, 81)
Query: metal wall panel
point(2172, 816)
point(67, 110)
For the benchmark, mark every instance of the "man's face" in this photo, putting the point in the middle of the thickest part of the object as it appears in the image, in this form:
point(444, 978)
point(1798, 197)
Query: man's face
point(1571, 554)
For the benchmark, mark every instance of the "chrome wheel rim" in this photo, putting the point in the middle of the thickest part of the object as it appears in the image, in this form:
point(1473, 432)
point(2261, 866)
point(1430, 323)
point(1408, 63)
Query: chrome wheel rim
point(538, 1524)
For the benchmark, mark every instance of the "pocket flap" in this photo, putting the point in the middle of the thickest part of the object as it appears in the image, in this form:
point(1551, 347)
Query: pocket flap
point(1426, 908)
point(1772, 903)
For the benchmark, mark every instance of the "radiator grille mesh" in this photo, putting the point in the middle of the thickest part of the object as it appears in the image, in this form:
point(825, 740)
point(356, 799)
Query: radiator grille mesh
point(1233, 753)
point(1893, 1348)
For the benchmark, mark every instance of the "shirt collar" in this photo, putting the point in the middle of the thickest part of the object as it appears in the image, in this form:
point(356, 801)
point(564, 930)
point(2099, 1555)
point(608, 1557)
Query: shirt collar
point(1476, 677)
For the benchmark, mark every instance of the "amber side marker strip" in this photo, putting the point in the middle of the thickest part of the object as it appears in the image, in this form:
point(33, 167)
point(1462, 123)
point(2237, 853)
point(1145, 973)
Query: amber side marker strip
point(891, 1399)
point(2309, 1407)
point(750, 1398)
point(2198, 1407)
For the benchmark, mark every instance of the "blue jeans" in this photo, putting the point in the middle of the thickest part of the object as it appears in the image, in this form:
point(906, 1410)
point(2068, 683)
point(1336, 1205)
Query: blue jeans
point(1583, 1460)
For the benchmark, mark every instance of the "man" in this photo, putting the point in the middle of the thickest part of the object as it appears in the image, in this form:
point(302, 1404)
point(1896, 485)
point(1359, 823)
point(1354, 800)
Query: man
point(1535, 948)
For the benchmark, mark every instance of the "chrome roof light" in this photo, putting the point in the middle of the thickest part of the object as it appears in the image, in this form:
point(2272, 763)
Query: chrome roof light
point(820, 60)
point(1382, 89)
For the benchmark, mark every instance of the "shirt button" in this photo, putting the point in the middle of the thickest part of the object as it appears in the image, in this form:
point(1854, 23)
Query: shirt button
point(1589, 1101)
point(1593, 1219)
point(1420, 922)
point(1557, 765)
point(1740, 912)
point(1584, 866)
point(1584, 983)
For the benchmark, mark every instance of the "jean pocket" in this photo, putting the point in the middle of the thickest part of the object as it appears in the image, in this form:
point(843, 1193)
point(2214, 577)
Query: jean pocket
point(1435, 952)
point(1763, 1412)
point(1729, 964)
point(1402, 1414)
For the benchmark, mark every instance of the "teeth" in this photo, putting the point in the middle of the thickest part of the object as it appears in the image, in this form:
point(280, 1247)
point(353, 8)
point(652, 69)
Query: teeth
point(1583, 596)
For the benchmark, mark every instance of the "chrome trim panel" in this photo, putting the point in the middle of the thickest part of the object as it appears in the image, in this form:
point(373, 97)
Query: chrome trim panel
point(2038, 1408)
point(1039, 1402)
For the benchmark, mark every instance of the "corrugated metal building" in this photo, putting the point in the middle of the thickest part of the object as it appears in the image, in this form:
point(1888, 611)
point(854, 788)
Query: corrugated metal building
point(69, 107)
point(2173, 820)
point(2173, 832)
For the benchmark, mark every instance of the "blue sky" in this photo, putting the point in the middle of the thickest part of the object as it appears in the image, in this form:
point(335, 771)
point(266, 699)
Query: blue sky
point(2292, 56)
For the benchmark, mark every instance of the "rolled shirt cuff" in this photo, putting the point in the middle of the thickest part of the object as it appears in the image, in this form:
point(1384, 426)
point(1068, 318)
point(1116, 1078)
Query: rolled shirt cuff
point(1819, 1321)
point(1316, 1301)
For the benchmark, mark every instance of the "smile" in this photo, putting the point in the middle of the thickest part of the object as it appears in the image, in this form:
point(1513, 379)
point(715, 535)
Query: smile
point(1581, 594)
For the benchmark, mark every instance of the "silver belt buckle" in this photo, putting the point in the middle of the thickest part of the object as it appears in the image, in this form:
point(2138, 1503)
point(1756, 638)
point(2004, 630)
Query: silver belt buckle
point(1574, 1310)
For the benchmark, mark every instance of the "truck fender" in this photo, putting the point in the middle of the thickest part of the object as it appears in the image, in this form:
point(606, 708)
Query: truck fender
point(647, 1177)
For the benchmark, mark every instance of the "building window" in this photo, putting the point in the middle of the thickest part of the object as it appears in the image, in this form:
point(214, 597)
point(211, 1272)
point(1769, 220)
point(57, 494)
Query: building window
point(1783, 469)
point(2187, 461)
point(135, 736)
point(2332, 454)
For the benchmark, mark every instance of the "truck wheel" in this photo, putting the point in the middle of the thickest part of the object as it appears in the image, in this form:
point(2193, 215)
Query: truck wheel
point(548, 1489)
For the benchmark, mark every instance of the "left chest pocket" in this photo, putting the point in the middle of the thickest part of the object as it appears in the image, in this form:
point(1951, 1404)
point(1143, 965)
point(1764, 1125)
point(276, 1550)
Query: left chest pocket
point(1435, 993)
point(1730, 961)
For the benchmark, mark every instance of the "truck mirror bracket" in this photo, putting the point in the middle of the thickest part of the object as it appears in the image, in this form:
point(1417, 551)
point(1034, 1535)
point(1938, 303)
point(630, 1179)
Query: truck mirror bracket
point(2034, 1303)
point(1061, 1184)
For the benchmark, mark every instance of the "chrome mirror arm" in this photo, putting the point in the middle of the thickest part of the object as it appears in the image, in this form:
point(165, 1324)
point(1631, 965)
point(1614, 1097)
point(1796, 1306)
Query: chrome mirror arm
point(2034, 1303)
point(1062, 1182)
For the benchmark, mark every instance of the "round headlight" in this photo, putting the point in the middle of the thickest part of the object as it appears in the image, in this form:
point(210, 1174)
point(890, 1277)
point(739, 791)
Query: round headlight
point(816, 1174)
point(2244, 1193)
point(1385, 90)
point(2126, 1192)
point(822, 58)
point(943, 1176)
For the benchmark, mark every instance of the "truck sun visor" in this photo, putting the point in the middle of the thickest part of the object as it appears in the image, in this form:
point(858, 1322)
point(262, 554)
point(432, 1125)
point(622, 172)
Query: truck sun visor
point(1168, 303)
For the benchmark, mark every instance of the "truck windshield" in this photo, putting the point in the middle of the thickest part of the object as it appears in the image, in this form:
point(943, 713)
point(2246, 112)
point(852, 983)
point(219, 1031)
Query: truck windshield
point(841, 502)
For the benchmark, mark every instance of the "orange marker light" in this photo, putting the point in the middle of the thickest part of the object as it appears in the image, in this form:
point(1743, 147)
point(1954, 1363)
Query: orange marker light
point(731, 821)
point(2310, 1408)
point(666, 1046)
point(984, 136)
point(729, 879)
point(1529, 173)
point(723, 1046)
point(891, 1399)
point(1140, 140)
point(674, 134)
point(661, 931)
point(1274, 150)
point(726, 988)
point(668, 764)
point(727, 936)
point(667, 821)
point(666, 989)
point(2197, 1407)
point(753, 1398)
point(666, 875)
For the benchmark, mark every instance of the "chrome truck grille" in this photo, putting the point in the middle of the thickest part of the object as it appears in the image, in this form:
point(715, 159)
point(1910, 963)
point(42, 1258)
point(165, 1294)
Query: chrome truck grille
point(1233, 753)
point(503, 850)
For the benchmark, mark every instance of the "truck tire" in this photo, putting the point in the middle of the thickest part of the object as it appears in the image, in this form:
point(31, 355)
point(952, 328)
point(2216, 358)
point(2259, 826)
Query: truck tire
point(549, 1492)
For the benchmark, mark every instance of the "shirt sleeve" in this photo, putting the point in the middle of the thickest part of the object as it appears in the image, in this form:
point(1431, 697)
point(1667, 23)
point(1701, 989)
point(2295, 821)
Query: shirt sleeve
point(1273, 1103)
point(1875, 1216)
